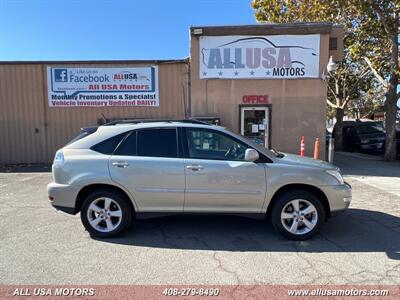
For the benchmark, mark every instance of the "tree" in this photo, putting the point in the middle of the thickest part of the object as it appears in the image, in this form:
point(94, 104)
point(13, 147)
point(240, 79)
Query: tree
point(369, 103)
point(370, 41)
point(344, 88)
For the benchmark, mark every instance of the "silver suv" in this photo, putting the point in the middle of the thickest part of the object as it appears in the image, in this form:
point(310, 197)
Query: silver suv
point(119, 171)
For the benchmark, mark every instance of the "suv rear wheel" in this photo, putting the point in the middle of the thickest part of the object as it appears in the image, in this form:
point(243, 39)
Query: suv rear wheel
point(105, 214)
point(298, 215)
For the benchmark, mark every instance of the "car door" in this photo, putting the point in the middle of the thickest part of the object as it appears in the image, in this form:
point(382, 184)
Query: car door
point(148, 164)
point(218, 179)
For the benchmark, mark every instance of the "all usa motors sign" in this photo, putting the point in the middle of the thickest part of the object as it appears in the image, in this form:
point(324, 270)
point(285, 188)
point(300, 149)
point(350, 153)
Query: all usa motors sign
point(259, 57)
point(100, 87)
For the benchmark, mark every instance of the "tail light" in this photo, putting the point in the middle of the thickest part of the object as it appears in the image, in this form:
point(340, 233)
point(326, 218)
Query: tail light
point(58, 158)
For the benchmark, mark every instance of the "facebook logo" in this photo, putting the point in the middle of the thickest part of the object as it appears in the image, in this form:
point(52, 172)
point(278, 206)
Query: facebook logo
point(60, 75)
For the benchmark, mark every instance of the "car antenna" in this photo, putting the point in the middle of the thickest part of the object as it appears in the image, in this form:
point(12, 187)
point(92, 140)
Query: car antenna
point(104, 117)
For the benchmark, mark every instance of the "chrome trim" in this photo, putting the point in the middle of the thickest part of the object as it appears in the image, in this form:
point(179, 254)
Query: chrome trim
point(159, 190)
point(207, 191)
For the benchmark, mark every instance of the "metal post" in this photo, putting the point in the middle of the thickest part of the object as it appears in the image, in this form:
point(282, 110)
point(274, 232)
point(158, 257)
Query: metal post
point(331, 149)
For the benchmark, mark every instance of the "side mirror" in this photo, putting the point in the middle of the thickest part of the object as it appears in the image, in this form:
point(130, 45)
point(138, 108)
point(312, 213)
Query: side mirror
point(251, 155)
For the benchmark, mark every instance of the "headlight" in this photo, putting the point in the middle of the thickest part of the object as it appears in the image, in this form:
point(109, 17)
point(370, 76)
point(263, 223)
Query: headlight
point(58, 158)
point(336, 174)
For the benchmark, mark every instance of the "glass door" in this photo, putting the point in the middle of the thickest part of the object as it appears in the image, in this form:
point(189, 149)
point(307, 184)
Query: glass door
point(254, 121)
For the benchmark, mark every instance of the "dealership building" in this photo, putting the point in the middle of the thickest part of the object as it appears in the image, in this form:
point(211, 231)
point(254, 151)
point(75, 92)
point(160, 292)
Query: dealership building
point(264, 81)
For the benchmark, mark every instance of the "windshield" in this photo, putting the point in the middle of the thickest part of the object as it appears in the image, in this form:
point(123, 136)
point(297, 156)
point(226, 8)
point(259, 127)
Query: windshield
point(261, 148)
point(250, 142)
point(370, 128)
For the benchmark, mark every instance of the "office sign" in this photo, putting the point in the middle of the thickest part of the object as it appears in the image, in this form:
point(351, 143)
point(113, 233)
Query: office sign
point(259, 57)
point(256, 99)
point(102, 87)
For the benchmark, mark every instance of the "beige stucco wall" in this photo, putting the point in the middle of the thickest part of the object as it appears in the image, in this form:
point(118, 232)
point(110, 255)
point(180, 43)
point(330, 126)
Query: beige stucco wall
point(298, 105)
point(31, 131)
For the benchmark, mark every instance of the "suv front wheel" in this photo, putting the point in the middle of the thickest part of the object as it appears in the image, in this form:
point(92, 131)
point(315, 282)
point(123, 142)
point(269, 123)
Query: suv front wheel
point(298, 215)
point(105, 214)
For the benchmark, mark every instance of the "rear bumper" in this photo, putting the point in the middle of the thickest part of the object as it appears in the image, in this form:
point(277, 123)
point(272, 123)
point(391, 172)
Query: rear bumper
point(62, 196)
point(339, 197)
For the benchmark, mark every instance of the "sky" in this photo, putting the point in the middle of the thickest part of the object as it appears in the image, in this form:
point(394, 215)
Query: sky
point(109, 30)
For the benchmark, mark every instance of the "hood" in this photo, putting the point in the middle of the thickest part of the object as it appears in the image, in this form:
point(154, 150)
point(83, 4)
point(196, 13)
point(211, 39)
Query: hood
point(292, 159)
point(372, 135)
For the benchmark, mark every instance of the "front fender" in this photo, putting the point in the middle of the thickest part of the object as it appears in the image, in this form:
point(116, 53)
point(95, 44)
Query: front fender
point(280, 175)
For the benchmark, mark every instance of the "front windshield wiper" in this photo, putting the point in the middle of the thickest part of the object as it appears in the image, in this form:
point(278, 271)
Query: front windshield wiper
point(278, 154)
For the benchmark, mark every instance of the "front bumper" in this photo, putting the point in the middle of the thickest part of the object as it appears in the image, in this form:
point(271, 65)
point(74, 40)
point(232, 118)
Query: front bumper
point(375, 146)
point(62, 196)
point(339, 197)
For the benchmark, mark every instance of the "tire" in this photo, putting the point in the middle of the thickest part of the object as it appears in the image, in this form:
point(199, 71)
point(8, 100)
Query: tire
point(353, 148)
point(104, 221)
point(283, 215)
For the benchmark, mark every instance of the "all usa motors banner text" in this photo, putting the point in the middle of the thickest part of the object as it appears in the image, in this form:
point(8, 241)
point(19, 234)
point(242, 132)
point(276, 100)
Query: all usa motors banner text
point(259, 57)
point(101, 87)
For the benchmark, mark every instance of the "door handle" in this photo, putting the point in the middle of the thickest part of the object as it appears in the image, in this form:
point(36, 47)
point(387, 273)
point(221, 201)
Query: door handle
point(195, 167)
point(120, 164)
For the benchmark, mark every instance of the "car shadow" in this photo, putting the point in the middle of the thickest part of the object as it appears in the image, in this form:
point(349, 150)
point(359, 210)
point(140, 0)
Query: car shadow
point(355, 230)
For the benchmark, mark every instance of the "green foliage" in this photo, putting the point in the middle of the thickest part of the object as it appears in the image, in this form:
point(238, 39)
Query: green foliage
point(364, 33)
point(371, 41)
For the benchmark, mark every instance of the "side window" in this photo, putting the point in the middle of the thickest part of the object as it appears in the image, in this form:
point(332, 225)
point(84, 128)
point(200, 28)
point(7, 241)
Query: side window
point(108, 146)
point(128, 147)
point(161, 142)
point(211, 144)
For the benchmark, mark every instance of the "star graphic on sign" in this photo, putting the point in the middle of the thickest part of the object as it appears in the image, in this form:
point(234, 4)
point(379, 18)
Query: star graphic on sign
point(251, 72)
point(268, 73)
point(220, 73)
point(204, 73)
point(236, 73)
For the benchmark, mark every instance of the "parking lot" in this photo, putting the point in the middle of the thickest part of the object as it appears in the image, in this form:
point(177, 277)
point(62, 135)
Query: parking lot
point(361, 246)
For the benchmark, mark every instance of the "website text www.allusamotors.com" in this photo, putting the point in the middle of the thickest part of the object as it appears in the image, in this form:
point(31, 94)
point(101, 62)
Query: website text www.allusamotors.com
point(337, 292)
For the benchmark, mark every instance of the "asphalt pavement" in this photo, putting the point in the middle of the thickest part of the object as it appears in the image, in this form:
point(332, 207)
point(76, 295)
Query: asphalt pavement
point(41, 246)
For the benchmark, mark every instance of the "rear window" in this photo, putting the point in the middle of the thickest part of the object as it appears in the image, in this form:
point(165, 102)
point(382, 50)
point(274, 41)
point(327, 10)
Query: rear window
point(108, 146)
point(157, 142)
point(85, 131)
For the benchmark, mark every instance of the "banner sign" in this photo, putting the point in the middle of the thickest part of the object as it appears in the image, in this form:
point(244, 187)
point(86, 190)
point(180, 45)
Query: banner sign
point(100, 87)
point(259, 57)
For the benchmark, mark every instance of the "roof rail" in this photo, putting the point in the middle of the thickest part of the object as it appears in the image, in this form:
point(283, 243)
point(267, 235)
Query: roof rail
point(137, 121)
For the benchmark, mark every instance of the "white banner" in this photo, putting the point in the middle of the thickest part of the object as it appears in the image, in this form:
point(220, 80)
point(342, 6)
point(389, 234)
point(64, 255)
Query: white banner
point(100, 87)
point(258, 57)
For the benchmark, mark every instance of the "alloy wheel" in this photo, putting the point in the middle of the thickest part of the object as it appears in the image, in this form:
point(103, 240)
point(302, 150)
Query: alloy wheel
point(104, 214)
point(299, 216)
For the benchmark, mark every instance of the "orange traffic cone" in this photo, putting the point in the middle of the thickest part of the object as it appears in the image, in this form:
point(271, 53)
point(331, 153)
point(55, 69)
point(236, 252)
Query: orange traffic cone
point(316, 149)
point(302, 146)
